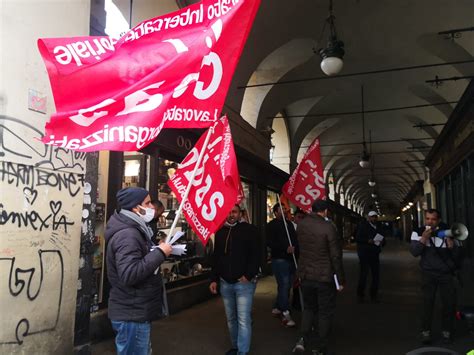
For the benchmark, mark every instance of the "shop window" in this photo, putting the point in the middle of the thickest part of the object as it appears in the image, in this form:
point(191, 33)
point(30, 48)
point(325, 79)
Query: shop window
point(133, 169)
point(246, 204)
point(449, 201)
point(441, 194)
point(196, 262)
point(272, 200)
point(458, 196)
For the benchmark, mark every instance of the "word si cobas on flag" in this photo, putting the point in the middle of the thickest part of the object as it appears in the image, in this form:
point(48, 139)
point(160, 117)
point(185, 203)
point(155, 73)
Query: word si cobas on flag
point(306, 184)
point(216, 188)
point(171, 71)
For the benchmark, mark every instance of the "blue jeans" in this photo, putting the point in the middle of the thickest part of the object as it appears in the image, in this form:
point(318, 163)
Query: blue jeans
point(133, 338)
point(238, 300)
point(283, 270)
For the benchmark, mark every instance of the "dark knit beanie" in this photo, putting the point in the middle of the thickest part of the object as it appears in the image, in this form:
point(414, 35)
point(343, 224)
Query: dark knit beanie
point(130, 197)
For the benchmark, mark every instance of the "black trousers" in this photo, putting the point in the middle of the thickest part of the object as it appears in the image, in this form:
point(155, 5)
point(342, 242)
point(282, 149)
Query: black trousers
point(446, 284)
point(368, 260)
point(319, 306)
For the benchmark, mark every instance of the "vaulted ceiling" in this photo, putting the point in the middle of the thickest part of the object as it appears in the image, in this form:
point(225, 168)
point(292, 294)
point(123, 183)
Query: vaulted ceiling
point(392, 49)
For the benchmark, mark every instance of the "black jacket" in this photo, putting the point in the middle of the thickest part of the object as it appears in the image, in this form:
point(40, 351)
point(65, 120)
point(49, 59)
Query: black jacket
point(277, 239)
point(365, 231)
point(136, 292)
point(439, 260)
point(237, 253)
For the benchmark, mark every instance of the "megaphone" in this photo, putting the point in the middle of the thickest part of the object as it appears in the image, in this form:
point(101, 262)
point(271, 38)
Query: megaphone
point(458, 231)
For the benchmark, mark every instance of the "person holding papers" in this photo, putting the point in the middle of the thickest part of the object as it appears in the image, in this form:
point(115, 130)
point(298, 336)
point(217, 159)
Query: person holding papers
point(132, 259)
point(322, 275)
point(369, 241)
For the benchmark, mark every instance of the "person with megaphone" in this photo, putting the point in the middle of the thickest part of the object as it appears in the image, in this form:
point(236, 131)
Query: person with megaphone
point(440, 251)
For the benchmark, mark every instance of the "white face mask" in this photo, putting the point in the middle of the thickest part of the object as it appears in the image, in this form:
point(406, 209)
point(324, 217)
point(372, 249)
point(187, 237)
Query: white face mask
point(149, 214)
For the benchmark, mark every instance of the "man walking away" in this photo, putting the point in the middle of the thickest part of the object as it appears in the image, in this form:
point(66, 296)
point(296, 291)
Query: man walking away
point(319, 265)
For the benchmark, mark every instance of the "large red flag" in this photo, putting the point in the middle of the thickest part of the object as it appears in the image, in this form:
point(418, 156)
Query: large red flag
point(306, 184)
point(170, 71)
point(216, 186)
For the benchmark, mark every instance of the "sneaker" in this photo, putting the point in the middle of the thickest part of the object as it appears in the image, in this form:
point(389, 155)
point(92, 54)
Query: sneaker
point(287, 320)
point(446, 336)
point(426, 337)
point(299, 347)
point(276, 312)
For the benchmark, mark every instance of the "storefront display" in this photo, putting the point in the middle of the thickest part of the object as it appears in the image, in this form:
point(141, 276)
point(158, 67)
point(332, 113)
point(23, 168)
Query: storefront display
point(245, 204)
point(131, 176)
point(197, 258)
point(272, 200)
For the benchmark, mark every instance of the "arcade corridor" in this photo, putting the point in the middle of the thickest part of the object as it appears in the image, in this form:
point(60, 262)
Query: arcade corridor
point(387, 328)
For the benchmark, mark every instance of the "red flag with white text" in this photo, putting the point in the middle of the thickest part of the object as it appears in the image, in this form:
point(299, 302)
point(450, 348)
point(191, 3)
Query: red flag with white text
point(306, 184)
point(171, 71)
point(216, 187)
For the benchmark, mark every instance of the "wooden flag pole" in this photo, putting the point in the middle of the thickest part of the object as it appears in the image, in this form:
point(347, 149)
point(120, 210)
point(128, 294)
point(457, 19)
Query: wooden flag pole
point(293, 254)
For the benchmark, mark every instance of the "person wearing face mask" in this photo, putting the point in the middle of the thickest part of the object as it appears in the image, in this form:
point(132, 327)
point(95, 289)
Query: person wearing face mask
point(132, 258)
point(235, 263)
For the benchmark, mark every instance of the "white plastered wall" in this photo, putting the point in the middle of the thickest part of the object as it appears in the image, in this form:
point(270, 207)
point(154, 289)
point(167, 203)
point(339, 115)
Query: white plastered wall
point(41, 188)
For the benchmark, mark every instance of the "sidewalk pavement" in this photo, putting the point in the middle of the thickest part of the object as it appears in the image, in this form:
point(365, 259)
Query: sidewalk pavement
point(387, 328)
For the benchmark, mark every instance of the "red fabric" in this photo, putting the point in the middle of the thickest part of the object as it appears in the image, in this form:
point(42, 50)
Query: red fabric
point(306, 184)
point(216, 187)
point(171, 71)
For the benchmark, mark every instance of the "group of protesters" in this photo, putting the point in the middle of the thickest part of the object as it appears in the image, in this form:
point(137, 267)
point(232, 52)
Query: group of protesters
point(305, 250)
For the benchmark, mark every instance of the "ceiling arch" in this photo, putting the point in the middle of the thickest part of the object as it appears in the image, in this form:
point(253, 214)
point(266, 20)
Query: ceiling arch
point(392, 63)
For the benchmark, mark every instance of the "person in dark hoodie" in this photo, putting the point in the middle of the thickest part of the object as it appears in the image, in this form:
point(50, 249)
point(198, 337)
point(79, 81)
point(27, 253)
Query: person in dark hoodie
point(235, 264)
point(132, 264)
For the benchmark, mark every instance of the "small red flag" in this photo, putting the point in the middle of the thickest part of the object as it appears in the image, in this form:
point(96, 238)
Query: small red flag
point(216, 188)
point(306, 184)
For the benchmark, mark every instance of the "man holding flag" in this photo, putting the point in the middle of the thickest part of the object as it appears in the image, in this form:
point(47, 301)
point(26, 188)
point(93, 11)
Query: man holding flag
point(320, 268)
point(132, 258)
point(283, 265)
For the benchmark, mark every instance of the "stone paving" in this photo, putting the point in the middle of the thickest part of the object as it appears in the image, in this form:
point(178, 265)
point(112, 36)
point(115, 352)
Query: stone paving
point(389, 327)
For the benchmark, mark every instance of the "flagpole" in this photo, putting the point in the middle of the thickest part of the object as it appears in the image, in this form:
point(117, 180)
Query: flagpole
point(291, 245)
point(190, 183)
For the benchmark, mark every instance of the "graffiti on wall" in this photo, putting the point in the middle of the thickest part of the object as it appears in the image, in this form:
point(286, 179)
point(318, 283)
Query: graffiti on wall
point(41, 201)
point(27, 285)
point(20, 143)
